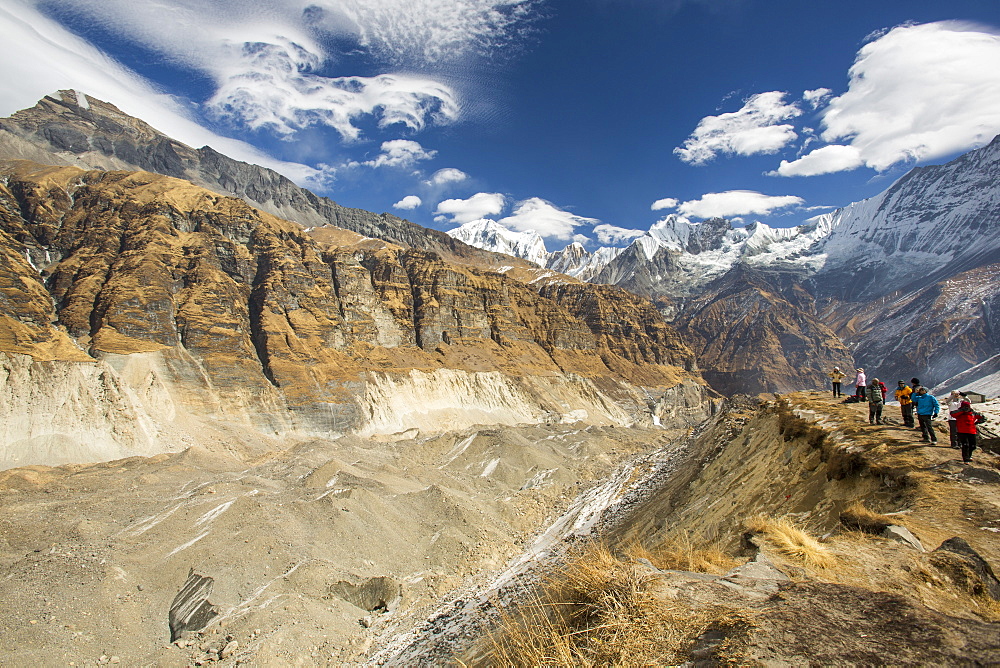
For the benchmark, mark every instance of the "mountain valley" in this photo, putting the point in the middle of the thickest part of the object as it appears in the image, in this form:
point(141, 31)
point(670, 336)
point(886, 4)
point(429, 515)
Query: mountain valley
point(241, 424)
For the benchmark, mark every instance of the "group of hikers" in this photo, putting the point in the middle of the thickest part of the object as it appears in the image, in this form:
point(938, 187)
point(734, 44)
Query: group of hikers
point(915, 400)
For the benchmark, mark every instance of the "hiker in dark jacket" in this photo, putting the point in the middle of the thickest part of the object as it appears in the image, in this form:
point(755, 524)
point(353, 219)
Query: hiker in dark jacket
point(875, 401)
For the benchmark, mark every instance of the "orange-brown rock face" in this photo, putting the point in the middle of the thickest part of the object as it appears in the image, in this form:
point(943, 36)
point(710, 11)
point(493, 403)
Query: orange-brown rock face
point(247, 310)
point(751, 339)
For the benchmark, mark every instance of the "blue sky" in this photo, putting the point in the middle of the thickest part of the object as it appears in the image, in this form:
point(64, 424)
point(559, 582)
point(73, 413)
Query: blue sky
point(580, 119)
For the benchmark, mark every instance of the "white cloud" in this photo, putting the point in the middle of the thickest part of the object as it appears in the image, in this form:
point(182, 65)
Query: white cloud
point(736, 203)
point(816, 97)
point(581, 239)
point(400, 153)
point(756, 128)
point(461, 211)
point(665, 203)
point(535, 214)
point(273, 97)
point(61, 60)
point(919, 92)
point(408, 203)
point(429, 30)
point(447, 175)
point(265, 58)
point(610, 234)
point(832, 158)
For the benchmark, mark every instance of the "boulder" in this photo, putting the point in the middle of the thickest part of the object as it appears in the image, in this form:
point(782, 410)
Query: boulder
point(191, 609)
point(966, 567)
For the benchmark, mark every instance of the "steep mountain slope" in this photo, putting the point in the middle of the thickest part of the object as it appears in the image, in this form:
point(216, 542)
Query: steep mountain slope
point(218, 310)
point(63, 129)
point(749, 338)
point(890, 275)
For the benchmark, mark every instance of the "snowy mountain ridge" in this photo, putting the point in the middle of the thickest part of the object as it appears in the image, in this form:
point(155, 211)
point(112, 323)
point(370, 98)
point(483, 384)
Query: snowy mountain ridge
point(930, 220)
point(492, 236)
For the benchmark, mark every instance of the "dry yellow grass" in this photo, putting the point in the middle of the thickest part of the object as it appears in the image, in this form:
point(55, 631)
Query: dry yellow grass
point(791, 541)
point(599, 611)
point(683, 554)
point(860, 517)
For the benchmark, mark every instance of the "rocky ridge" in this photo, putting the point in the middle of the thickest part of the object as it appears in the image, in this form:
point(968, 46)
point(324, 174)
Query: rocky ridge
point(63, 129)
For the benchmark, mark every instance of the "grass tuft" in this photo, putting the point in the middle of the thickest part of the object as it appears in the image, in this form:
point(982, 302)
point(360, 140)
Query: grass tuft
point(791, 541)
point(857, 516)
point(682, 554)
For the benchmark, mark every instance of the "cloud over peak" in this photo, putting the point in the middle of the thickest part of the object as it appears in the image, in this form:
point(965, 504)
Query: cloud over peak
point(756, 128)
point(535, 214)
point(919, 92)
point(736, 203)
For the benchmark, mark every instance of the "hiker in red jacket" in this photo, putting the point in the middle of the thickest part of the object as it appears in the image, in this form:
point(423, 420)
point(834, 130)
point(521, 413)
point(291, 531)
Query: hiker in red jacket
point(965, 425)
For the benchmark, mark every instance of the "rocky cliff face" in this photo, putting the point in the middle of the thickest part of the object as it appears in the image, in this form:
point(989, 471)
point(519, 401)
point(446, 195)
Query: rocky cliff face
point(240, 314)
point(749, 338)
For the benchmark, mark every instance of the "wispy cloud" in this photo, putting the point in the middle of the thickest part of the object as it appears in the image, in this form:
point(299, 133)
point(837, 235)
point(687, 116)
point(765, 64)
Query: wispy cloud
point(269, 59)
point(401, 153)
point(817, 97)
point(408, 203)
point(832, 158)
point(428, 31)
point(736, 203)
point(447, 175)
point(665, 203)
point(611, 234)
point(269, 97)
point(756, 128)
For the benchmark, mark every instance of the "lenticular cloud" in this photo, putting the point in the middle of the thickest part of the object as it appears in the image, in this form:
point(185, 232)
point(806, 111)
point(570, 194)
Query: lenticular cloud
point(919, 92)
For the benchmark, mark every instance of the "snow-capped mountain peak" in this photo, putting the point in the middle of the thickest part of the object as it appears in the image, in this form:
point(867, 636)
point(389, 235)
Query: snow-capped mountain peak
point(492, 236)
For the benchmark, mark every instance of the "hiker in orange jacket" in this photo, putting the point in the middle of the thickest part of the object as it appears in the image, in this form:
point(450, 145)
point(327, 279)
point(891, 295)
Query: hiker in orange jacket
point(903, 393)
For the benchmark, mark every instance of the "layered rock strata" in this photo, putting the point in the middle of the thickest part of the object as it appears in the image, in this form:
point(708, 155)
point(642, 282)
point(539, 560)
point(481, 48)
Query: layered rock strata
point(201, 303)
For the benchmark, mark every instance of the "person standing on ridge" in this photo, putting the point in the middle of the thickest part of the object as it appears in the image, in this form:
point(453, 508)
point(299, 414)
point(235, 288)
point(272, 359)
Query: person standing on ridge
point(875, 402)
point(954, 403)
point(836, 376)
point(965, 419)
point(914, 386)
point(883, 388)
point(903, 393)
point(927, 409)
point(860, 382)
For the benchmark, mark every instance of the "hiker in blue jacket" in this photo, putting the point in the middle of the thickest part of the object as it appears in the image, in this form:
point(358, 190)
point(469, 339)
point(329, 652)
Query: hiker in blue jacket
point(927, 409)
